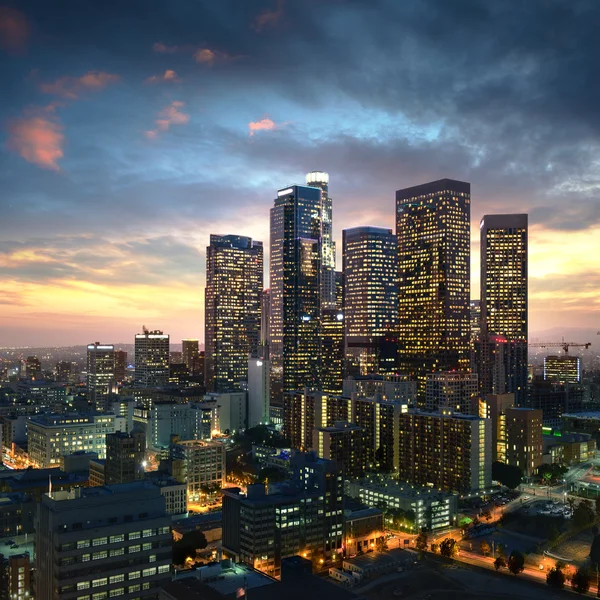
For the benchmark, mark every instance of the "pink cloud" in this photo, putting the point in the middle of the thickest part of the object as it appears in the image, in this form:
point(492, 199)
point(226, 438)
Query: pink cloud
point(168, 76)
point(205, 56)
point(268, 18)
point(170, 115)
point(14, 30)
point(161, 48)
point(265, 124)
point(72, 87)
point(37, 138)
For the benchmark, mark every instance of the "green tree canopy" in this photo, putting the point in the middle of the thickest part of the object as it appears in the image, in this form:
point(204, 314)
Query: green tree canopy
point(583, 514)
point(422, 542)
point(508, 475)
point(499, 563)
point(449, 548)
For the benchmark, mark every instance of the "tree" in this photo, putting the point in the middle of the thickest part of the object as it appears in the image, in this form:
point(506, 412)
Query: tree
point(555, 578)
point(499, 563)
point(501, 550)
point(422, 542)
point(516, 562)
point(449, 548)
point(580, 582)
point(583, 514)
point(434, 548)
point(508, 475)
point(382, 544)
point(487, 515)
point(484, 547)
point(186, 547)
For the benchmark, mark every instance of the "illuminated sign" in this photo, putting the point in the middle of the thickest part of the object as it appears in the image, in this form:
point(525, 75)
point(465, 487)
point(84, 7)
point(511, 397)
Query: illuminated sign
point(285, 192)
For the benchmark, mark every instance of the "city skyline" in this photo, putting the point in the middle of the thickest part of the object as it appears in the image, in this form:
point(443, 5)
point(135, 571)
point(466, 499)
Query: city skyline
point(120, 158)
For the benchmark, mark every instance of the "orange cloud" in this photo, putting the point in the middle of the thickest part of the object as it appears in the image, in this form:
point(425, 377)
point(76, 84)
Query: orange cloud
point(170, 115)
point(268, 18)
point(14, 30)
point(169, 76)
point(205, 56)
point(72, 87)
point(265, 124)
point(37, 138)
point(161, 48)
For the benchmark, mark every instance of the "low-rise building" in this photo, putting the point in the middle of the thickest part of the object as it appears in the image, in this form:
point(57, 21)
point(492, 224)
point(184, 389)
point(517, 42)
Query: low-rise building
point(378, 563)
point(362, 529)
point(431, 508)
point(17, 514)
point(97, 477)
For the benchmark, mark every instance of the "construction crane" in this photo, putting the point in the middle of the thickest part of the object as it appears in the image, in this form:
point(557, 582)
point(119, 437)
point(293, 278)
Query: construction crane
point(564, 345)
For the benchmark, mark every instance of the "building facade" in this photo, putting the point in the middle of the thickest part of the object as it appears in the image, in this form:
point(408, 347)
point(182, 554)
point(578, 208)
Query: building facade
point(295, 290)
point(125, 457)
point(456, 391)
point(524, 446)
point(151, 358)
point(370, 259)
point(450, 452)
point(100, 373)
point(343, 443)
point(562, 369)
point(504, 297)
point(190, 354)
point(103, 542)
point(232, 309)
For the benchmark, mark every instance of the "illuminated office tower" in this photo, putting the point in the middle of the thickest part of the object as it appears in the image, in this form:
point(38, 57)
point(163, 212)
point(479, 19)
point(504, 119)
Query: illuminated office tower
point(524, 439)
point(433, 229)
point(453, 390)
point(332, 349)
point(265, 319)
point(370, 300)
point(191, 355)
point(234, 285)
point(562, 369)
point(100, 372)
point(295, 273)
point(504, 300)
point(320, 180)
point(151, 358)
point(475, 308)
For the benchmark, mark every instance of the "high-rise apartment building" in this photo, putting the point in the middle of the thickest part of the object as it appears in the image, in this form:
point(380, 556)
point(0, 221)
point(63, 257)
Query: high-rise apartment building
point(15, 577)
point(433, 229)
point(475, 312)
point(120, 366)
point(459, 392)
point(295, 274)
point(332, 350)
point(125, 456)
point(234, 286)
point(524, 439)
point(450, 452)
point(100, 372)
point(504, 282)
point(562, 369)
point(151, 358)
point(370, 259)
point(320, 180)
point(103, 542)
point(345, 444)
point(190, 355)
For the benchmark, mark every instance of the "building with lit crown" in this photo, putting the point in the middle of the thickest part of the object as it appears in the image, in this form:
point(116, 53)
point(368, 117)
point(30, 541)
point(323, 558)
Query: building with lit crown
point(232, 308)
point(295, 290)
point(100, 373)
point(433, 229)
point(151, 358)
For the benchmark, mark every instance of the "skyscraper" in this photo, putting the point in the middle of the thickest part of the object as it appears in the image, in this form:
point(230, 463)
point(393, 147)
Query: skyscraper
point(151, 358)
point(100, 372)
point(120, 365)
point(370, 257)
point(295, 274)
point(562, 369)
point(320, 180)
point(190, 355)
point(125, 455)
point(234, 285)
point(504, 299)
point(433, 229)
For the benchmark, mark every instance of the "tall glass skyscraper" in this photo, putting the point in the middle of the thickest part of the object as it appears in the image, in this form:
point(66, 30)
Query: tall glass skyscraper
point(295, 273)
point(234, 287)
point(100, 372)
point(433, 229)
point(504, 282)
point(151, 358)
point(320, 180)
point(370, 258)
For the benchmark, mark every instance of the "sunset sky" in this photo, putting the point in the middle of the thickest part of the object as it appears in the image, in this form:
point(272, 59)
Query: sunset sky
point(131, 130)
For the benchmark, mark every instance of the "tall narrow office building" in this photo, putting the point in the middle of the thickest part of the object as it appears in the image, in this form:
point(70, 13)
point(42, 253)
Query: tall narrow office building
point(151, 358)
point(433, 229)
point(295, 274)
point(190, 354)
point(234, 286)
point(100, 372)
point(370, 258)
point(504, 305)
point(320, 180)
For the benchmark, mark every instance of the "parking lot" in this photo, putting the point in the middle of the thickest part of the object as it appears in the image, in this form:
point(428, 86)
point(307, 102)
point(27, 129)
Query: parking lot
point(549, 508)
